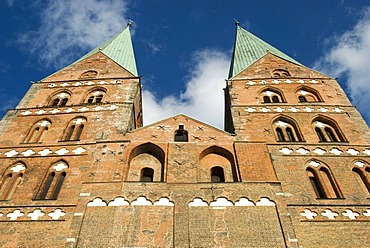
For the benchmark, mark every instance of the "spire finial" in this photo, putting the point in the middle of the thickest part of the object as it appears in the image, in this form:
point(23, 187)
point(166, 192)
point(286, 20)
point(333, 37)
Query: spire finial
point(129, 23)
point(236, 22)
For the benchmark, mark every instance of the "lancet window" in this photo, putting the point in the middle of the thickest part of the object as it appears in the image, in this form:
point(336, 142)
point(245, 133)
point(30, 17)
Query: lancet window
point(272, 96)
point(74, 129)
point(38, 131)
point(95, 96)
point(322, 181)
point(53, 181)
point(11, 179)
point(286, 130)
point(60, 99)
point(327, 131)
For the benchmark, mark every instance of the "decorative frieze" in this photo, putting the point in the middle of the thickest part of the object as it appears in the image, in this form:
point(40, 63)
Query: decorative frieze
point(17, 152)
point(334, 214)
point(31, 214)
point(81, 109)
point(334, 151)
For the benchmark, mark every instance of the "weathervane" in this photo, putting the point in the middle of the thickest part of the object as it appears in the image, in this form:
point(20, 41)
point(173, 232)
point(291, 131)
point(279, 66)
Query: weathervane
point(236, 22)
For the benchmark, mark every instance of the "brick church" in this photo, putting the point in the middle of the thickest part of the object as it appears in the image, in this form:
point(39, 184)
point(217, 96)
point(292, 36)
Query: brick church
point(79, 169)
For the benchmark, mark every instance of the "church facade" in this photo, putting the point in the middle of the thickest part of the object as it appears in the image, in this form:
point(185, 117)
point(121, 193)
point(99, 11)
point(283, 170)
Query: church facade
point(79, 169)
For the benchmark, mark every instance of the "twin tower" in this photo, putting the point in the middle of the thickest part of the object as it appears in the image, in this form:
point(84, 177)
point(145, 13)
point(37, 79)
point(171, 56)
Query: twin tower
point(291, 169)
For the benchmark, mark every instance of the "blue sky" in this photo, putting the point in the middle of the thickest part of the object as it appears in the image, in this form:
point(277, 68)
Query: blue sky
point(183, 48)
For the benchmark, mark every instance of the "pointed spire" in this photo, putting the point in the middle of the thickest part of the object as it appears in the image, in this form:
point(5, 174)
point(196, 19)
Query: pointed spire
point(248, 48)
point(119, 48)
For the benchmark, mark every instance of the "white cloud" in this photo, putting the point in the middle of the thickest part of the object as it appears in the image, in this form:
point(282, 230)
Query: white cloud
point(203, 98)
point(68, 26)
point(349, 58)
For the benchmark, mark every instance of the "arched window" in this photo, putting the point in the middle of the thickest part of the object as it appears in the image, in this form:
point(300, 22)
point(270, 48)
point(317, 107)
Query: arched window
point(53, 181)
point(217, 164)
point(60, 99)
point(327, 131)
point(146, 164)
point(147, 175)
point(181, 135)
point(74, 129)
point(95, 96)
point(38, 131)
point(362, 171)
point(280, 73)
point(307, 94)
point(286, 130)
point(89, 74)
point(217, 174)
point(322, 181)
point(10, 180)
point(272, 96)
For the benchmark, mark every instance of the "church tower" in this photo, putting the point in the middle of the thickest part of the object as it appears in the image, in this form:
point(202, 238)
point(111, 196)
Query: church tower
point(317, 141)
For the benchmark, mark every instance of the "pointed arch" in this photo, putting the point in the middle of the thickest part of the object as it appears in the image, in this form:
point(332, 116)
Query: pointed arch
point(74, 129)
point(308, 94)
point(286, 129)
point(322, 180)
point(59, 98)
point(146, 161)
point(10, 179)
point(327, 130)
point(96, 95)
point(361, 169)
point(53, 181)
point(277, 73)
point(218, 162)
point(271, 95)
point(38, 131)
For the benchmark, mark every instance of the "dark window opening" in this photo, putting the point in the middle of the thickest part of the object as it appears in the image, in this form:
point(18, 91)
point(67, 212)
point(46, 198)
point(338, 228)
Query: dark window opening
point(330, 134)
point(55, 102)
point(147, 175)
point(280, 134)
point(99, 99)
point(290, 134)
point(58, 185)
point(47, 185)
point(317, 187)
point(275, 99)
point(64, 102)
point(90, 99)
point(217, 175)
point(266, 99)
point(70, 132)
point(302, 99)
point(320, 135)
point(181, 135)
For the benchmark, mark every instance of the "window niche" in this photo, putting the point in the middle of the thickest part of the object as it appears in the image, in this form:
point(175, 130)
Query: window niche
point(217, 174)
point(272, 96)
point(307, 94)
point(60, 99)
point(38, 131)
point(95, 96)
point(181, 135)
point(322, 181)
point(286, 130)
point(362, 172)
point(280, 73)
point(89, 74)
point(327, 131)
point(11, 179)
point(74, 129)
point(53, 181)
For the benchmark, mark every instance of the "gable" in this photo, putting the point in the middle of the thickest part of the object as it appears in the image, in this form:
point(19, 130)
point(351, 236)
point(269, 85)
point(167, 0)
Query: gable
point(264, 67)
point(97, 65)
point(164, 131)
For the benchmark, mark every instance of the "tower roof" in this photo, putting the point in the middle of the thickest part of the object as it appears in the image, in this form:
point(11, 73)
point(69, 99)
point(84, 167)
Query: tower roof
point(248, 48)
point(118, 48)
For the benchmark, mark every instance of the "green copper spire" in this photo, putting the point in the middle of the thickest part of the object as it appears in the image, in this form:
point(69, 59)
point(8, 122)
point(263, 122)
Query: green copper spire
point(248, 49)
point(119, 48)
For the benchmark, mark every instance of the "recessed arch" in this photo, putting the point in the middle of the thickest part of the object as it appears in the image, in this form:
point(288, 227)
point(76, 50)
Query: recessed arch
point(286, 129)
point(95, 95)
point(38, 131)
point(53, 181)
point(280, 73)
point(11, 178)
point(327, 129)
point(89, 74)
point(361, 169)
point(146, 160)
point(74, 129)
point(322, 180)
point(271, 95)
point(214, 157)
point(308, 94)
point(59, 98)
